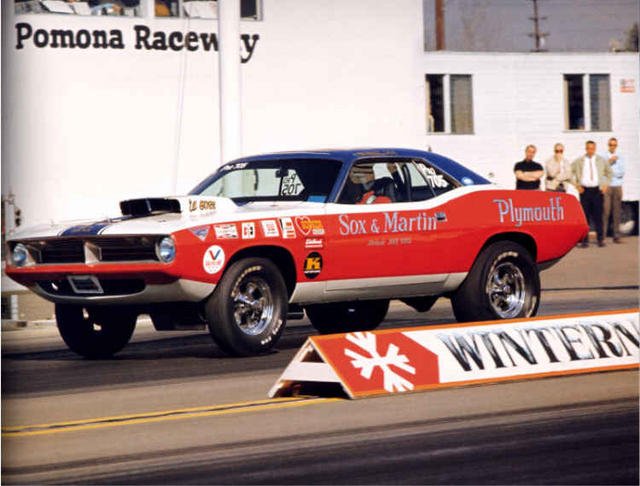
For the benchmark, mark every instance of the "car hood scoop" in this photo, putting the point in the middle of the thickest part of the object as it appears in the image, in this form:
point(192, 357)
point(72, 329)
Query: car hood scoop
point(185, 205)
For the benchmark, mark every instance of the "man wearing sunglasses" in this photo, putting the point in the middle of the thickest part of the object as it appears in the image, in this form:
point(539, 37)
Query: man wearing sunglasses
point(613, 197)
point(558, 170)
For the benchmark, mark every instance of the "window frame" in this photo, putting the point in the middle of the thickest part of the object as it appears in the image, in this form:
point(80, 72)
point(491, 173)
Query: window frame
point(586, 103)
point(181, 15)
point(447, 100)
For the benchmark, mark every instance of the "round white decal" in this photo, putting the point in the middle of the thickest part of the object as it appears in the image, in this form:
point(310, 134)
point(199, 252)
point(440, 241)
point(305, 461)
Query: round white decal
point(213, 260)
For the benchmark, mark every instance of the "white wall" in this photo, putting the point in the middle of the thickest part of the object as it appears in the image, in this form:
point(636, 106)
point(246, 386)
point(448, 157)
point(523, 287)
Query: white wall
point(86, 128)
point(518, 99)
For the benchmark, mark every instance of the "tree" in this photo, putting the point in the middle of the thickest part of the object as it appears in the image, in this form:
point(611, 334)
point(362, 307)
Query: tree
point(631, 42)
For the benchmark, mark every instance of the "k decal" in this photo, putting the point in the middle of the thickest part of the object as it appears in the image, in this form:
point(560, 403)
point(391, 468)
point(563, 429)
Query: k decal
point(312, 265)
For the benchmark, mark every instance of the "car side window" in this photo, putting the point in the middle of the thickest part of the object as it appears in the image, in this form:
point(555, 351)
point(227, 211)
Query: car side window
point(374, 183)
point(427, 181)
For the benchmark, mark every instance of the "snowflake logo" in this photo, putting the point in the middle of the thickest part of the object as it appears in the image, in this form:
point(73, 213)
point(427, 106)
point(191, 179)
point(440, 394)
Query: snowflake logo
point(392, 380)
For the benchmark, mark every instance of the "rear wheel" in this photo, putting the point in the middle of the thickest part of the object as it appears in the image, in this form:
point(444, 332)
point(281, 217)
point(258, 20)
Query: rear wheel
point(95, 332)
point(503, 284)
point(247, 312)
point(347, 316)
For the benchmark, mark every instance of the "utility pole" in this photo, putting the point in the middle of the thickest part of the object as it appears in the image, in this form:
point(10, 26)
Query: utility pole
point(440, 34)
point(538, 36)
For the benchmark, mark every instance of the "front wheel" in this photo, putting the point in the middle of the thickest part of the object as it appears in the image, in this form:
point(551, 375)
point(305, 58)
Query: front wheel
point(503, 283)
point(247, 312)
point(95, 332)
point(363, 315)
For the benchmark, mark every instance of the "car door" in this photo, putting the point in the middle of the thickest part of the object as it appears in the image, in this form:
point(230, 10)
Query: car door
point(387, 232)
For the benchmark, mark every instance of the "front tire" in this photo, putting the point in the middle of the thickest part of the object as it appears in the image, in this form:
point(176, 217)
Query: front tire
point(503, 284)
point(95, 332)
point(248, 310)
point(363, 315)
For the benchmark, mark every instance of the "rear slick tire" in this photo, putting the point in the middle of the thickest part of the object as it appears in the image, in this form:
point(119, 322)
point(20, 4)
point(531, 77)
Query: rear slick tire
point(248, 310)
point(95, 332)
point(364, 315)
point(503, 283)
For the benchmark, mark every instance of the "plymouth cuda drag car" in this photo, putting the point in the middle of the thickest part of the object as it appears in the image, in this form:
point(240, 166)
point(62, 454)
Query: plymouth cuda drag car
point(335, 234)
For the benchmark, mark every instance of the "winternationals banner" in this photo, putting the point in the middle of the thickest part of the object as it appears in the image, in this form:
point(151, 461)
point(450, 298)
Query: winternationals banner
point(400, 360)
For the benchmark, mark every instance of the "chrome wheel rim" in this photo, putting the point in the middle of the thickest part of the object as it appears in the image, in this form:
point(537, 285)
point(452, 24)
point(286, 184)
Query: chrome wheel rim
point(506, 290)
point(253, 306)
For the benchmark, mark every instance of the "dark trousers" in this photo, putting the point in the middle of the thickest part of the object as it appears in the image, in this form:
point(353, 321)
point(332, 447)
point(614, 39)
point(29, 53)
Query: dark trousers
point(592, 200)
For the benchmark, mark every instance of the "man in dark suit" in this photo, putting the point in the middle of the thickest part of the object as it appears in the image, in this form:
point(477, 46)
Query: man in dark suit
point(591, 174)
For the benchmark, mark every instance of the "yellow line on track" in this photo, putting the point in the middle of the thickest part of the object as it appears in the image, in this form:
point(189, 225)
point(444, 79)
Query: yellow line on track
point(162, 416)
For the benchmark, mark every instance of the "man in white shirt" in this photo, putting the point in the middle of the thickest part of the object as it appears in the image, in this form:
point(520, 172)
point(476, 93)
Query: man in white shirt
point(591, 174)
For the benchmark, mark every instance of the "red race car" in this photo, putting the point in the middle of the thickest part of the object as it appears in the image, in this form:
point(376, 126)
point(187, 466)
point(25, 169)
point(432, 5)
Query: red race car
point(337, 233)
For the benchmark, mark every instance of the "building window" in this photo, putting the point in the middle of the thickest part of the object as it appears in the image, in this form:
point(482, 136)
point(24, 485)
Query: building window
point(600, 100)
point(587, 102)
point(435, 102)
point(461, 104)
point(204, 9)
point(449, 103)
point(575, 101)
point(127, 8)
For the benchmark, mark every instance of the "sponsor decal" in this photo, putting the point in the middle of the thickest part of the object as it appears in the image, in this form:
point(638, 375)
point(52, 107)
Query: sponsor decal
point(288, 230)
point(248, 231)
point(202, 205)
point(226, 231)
point(201, 232)
point(270, 228)
point(213, 259)
point(369, 363)
point(509, 213)
point(316, 243)
point(386, 223)
point(312, 265)
point(86, 229)
point(308, 226)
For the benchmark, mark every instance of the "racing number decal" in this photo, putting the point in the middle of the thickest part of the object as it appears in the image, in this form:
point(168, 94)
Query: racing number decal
point(312, 265)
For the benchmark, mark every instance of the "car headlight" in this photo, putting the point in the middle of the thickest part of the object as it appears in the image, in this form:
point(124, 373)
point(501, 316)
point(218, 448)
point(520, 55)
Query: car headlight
point(19, 255)
point(166, 250)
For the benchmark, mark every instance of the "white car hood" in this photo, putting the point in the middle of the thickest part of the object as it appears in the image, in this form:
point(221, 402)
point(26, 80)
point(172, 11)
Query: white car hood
point(193, 211)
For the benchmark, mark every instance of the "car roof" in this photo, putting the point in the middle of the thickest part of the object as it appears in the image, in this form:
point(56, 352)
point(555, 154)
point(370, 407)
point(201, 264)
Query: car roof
point(458, 171)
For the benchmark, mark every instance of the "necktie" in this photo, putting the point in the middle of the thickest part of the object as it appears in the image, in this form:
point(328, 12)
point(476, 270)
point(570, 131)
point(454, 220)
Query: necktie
point(591, 168)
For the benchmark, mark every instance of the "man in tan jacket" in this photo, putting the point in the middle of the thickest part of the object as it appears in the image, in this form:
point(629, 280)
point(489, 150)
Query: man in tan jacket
point(591, 174)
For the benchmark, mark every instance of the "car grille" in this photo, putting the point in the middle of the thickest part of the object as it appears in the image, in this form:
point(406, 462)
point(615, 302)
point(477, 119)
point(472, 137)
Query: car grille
point(125, 249)
point(62, 252)
point(93, 250)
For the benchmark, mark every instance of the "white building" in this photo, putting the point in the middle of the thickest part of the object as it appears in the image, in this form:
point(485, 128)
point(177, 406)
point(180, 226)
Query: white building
point(97, 109)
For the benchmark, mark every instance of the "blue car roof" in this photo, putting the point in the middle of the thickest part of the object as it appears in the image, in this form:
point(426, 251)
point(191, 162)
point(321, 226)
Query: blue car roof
point(348, 156)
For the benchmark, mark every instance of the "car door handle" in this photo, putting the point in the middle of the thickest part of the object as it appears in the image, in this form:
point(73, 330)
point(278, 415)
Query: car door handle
point(441, 216)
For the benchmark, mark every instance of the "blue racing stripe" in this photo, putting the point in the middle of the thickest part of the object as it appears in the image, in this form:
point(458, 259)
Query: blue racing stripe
point(86, 229)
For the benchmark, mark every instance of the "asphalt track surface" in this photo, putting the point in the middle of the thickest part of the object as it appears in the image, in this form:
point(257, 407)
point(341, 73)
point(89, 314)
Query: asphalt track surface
point(173, 409)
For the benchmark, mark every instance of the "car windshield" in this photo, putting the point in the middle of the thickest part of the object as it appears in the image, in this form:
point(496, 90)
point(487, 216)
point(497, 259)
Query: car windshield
point(273, 180)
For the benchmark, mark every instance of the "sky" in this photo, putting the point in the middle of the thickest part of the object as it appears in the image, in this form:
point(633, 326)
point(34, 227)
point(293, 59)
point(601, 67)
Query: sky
point(503, 25)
